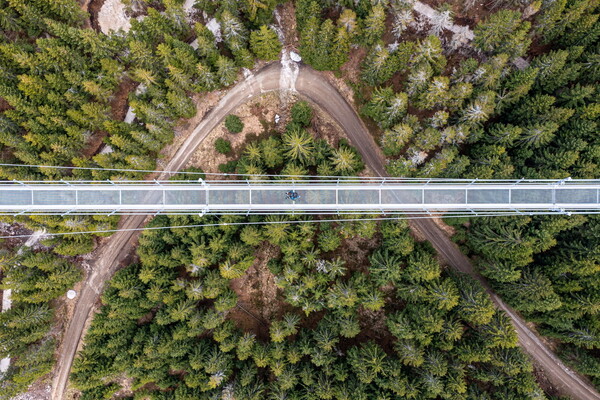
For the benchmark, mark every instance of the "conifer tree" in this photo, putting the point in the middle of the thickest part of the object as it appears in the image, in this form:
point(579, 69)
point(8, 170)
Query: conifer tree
point(265, 44)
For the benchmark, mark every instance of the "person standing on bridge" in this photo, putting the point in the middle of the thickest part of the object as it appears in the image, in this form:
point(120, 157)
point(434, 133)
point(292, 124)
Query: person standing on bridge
point(292, 195)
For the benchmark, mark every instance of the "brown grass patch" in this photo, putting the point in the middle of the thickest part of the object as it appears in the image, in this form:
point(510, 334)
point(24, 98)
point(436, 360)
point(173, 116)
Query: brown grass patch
point(352, 68)
point(259, 299)
point(93, 8)
point(119, 105)
point(448, 230)
point(286, 18)
point(258, 116)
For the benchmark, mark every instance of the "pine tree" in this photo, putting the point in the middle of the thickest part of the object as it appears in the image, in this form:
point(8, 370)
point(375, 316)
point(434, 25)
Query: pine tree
point(348, 21)
point(233, 31)
point(393, 140)
point(553, 71)
point(265, 44)
point(374, 25)
point(535, 292)
point(402, 19)
point(499, 332)
point(254, 7)
point(538, 134)
point(226, 71)
point(323, 56)
point(503, 32)
point(345, 161)
point(299, 145)
point(429, 51)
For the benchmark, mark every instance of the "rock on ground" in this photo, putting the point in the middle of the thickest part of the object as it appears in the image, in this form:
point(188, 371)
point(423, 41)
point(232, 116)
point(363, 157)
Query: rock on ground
point(112, 17)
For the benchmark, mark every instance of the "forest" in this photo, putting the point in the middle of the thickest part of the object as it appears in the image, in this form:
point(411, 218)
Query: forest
point(338, 325)
point(521, 99)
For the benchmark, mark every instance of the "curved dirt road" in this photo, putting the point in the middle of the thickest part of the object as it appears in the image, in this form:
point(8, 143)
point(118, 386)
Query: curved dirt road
point(317, 89)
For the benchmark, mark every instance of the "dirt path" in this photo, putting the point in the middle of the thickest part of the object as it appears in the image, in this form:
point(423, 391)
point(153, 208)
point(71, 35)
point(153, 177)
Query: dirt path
point(316, 88)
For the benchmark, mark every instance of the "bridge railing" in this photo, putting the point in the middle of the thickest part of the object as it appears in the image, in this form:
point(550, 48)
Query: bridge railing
point(368, 195)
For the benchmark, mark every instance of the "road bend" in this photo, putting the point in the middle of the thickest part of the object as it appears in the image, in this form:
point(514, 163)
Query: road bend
point(313, 86)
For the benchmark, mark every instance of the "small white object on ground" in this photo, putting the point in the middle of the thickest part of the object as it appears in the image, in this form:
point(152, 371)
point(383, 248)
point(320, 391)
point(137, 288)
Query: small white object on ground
point(6, 304)
point(6, 301)
point(247, 73)
point(295, 56)
point(36, 237)
point(130, 116)
point(279, 32)
point(289, 72)
point(188, 6)
point(112, 17)
point(277, 118)
point(214, 26)
point(33, 239)
point(4, 364)
point(71, 294)
point(106, 149)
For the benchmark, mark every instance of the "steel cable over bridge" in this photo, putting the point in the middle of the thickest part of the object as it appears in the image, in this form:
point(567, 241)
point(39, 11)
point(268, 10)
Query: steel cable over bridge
point(322, 196)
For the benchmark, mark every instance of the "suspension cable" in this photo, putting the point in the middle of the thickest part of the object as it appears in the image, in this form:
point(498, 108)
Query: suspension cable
point(263, 223)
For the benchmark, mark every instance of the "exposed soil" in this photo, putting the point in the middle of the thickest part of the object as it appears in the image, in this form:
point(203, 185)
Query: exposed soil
point(126, 384)
point(286, 18)
point(118, 109)
point(84, 4)
point(542, 380)
point(538, 48)
point(4, 105)
point(258, 297)
point(324, 127)
point(355, 251)
point(204, 103)
point(470, 17)
point(448, 230)
point(39, 390)
point(93, 8)
point(258, 117)
point(120, 100)
point(351, 68)
point(374, 327)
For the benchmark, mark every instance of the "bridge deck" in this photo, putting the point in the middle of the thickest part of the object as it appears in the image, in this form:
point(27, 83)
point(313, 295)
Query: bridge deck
point(316, 197)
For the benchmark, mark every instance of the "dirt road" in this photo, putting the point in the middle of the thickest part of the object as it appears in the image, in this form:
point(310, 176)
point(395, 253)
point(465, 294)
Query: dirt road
point(312, 85)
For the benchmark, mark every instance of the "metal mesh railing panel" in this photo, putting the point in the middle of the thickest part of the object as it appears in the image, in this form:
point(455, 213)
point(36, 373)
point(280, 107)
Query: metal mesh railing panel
point(578, 196)
point(54, 197)
point(487, 196)
point(531, 196)
point(15, 197)
point(97, 197)
point(185, 197)
point(444, 196)
point(142, 197)
point(228, 196)
point(358, 196)
point(409, 196)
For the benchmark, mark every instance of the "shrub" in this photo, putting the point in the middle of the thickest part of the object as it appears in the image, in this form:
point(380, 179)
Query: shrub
point(234, 124)
point(329, 240)
point(301, 113)
point(223, 146)
point(228, 167)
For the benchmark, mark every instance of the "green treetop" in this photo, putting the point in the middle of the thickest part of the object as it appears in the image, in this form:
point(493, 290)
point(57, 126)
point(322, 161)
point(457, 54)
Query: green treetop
point(265, 44)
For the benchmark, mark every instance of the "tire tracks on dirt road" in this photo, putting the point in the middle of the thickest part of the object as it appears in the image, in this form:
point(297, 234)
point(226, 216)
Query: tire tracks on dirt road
point(315, 87)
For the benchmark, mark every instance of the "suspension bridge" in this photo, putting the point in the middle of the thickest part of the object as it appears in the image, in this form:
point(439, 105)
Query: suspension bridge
point(256, 195)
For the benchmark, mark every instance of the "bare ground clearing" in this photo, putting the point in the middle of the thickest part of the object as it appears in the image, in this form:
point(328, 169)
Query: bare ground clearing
point(204, 104)
point(256, 115)
point(258, 296)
